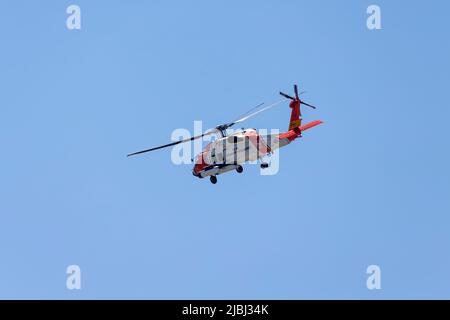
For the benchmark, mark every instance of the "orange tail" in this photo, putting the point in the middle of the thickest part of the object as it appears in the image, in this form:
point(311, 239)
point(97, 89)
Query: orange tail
point(310, 125)
point(296, 116)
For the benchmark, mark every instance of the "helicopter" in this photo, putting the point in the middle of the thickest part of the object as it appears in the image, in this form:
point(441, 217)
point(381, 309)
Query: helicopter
point(230, 151)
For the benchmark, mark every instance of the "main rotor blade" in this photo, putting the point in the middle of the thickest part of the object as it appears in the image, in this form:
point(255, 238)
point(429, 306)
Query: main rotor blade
point(255, 107)
point(256, 112)
point(307, 104)
point(171, 144)
point(287, 96)
point(296, 91)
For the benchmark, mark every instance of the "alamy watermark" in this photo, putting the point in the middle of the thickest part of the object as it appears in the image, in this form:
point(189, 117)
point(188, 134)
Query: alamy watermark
point(73, 21)
point(236, 147)
point(73, 281)
point(374, 279)
point(374, 19)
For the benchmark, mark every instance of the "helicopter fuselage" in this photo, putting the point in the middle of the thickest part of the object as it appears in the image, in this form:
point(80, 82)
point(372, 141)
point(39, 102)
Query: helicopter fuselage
point(229, 152)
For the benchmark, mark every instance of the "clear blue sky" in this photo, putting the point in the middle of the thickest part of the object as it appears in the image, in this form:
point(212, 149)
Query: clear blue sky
point(370, 186)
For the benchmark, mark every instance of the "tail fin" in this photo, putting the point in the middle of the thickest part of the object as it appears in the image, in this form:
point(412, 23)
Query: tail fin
point(296, 116)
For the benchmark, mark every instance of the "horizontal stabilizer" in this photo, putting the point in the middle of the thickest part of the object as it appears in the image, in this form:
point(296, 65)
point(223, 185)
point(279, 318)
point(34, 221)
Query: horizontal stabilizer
point(310, 125)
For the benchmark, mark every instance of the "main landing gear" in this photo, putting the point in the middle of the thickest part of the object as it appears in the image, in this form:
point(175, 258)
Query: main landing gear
point(264, 165)
point(213, 179)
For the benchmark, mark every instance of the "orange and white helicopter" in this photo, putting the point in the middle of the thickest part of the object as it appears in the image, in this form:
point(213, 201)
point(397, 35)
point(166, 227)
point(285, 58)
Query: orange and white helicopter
point(229, 152)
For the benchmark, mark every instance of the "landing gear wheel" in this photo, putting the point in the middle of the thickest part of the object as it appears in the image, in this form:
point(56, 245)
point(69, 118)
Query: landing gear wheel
point(239, 169)
point(264, 165)
point(213, 179)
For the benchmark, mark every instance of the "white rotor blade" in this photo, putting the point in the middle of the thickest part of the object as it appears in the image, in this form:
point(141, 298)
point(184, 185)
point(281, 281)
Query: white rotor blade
point(259, 111)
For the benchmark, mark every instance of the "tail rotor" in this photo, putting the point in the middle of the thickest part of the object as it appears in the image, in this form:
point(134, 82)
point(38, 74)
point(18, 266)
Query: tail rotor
point(297, 98)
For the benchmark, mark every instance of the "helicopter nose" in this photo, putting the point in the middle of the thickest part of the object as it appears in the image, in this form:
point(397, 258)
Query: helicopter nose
point(195, 172)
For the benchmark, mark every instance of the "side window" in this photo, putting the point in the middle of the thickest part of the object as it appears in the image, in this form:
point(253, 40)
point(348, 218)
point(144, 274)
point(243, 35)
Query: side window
point(213, 155)
point(219, 158)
